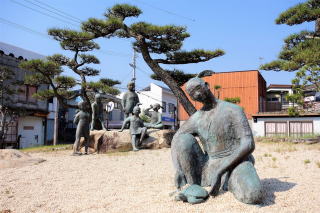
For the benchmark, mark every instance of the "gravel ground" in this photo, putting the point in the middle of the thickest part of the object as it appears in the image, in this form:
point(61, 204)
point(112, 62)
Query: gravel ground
point(141, 181)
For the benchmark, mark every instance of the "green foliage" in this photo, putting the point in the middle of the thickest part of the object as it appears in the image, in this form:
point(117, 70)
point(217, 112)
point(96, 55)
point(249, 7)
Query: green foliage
point(217, 86)
point(151, 38)
point(234, 100)
point(307, 11)
point(145, 118)
point(102, 86)
point(293, 112)
point(109, 82)
point(178, 75)
point(306, 161)
point(299, 53)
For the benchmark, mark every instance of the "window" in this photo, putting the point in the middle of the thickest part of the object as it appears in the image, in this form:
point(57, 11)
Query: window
point(273, 99)
point(164, 105)
point(171, 108)
point(12, 133)
point(276, 129)
point(298, 128)
point(26, 95)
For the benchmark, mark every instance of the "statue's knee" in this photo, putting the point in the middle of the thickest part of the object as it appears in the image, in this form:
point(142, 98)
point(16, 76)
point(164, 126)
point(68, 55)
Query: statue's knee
point(186, 141)
point(253, 196)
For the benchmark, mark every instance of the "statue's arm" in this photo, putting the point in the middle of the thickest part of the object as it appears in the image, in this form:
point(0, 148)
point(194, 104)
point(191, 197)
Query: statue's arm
point(246, 147)
point(93, 110)
point(127, 120)
point(137, 98)
point(159, 119)
point(76, 119)
point(123, 102)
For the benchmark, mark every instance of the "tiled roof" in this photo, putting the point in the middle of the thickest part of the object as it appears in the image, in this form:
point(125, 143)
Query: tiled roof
point(279, 85)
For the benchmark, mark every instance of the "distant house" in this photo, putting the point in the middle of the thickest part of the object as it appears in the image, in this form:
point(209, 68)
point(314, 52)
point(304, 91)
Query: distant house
point(273, 119)
point(249, 86)
point(29, 130)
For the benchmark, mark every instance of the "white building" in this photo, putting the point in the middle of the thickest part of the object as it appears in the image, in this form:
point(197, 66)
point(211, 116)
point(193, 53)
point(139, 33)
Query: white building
point(162, 95)
point(29, 130)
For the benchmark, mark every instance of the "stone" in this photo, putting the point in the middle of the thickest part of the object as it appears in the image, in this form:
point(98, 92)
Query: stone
point(227, 140)
point(111, 141)
point(278, 139)
point(312, 140)
point(13, 158)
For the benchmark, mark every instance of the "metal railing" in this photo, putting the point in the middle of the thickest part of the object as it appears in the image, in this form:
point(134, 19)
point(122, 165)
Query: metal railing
point(282, 107)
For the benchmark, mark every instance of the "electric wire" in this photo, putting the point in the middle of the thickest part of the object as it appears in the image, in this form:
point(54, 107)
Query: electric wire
point(58, 10)
point(165, 11)
point(53, 12)
point(44, 13)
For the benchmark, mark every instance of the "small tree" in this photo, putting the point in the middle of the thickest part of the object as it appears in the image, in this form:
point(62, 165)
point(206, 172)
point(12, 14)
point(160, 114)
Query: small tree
point(152, 38)
point(8, 89)
point(50, 71)
point(301, 52)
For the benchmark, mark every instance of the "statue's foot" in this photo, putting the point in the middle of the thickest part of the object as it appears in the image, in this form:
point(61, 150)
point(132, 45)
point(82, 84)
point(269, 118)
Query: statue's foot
point(135, 149)
point(85, 153)
point(78, 153)
point(91, 129)
point(106, 129)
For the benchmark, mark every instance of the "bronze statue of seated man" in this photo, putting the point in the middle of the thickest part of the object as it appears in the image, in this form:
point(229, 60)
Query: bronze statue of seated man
point(225, 134)
point(155, 116)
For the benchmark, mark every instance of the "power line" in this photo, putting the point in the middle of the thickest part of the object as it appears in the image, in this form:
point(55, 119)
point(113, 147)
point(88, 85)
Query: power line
point(53, 12)
point(58, 10)
point(44, 13)
point(165, 11)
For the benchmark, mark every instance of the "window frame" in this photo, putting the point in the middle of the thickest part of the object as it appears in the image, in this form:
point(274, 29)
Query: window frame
point(26, 95)
point(301, 133)
point(164, 105)
point(275, 122)
point(170, 105)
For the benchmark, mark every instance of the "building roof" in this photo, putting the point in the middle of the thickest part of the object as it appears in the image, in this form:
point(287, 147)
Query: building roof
point(312, 86)
point(166, 89)
point(279, 86)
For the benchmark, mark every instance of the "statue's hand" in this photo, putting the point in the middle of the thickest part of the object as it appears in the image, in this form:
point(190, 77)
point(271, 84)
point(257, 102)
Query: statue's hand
point(120, 130)
point(215, 183)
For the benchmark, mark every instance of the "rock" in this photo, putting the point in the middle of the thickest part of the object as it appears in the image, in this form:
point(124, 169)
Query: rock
point(106, 141)
point(13, 158)
point(289, 140)
point(312, 140)
point(297, 140)
point(278, 140)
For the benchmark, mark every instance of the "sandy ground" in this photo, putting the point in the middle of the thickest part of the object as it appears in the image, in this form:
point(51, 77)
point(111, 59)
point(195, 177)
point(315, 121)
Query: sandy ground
point(141, 181)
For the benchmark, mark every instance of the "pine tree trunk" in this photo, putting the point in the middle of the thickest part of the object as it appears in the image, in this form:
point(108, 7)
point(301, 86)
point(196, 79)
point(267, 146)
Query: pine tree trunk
point(167, 79)
point(317, 30)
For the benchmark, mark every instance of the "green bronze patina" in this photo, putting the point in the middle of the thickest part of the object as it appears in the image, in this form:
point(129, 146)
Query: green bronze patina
point(193, 194)
point(130, 99)
point(225, 134)
point(155, 116)
point(97, 113)
point(137, 129)
point(82, 119)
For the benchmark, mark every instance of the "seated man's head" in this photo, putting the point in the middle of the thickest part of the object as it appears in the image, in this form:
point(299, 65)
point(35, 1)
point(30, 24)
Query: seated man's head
point(131, 85)
point(97, 98)
point(197, 89)
point(82, 105)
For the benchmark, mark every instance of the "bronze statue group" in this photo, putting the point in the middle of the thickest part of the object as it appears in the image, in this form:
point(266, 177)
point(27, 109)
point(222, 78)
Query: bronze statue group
point(225, 162)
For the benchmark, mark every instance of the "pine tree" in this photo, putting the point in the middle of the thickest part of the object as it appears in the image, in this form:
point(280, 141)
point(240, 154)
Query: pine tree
point(50, 71)
point(150, 39)
point(301, 51)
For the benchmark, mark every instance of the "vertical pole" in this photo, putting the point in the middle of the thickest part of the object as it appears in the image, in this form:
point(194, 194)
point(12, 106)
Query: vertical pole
point(134, 64)
point(107, 115)
point(55, 135)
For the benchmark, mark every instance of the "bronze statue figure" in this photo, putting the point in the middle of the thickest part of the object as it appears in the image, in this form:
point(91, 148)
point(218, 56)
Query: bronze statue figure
point(97, 113)
point(137, 129)
point(155, 116)
point(227, 141)
point(82, 120)
point(129, 99)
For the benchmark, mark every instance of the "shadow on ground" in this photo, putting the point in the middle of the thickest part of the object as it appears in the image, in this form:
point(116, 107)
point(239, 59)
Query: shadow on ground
point(272, 185)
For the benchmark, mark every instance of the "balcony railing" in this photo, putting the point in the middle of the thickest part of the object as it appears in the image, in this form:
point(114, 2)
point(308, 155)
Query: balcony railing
point(282, 107)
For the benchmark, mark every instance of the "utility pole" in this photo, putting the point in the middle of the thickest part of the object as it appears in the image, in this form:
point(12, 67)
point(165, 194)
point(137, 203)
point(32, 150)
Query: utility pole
point(55, 135)
point(133, 65)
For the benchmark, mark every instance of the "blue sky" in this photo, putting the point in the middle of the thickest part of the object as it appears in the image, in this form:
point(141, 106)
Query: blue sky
point(245, 29)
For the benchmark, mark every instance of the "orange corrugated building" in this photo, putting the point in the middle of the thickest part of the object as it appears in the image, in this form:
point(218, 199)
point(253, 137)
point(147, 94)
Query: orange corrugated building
point(249, 85)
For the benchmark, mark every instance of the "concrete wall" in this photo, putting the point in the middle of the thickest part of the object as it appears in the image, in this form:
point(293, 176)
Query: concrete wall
point(29, 135)
point(258, 129)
